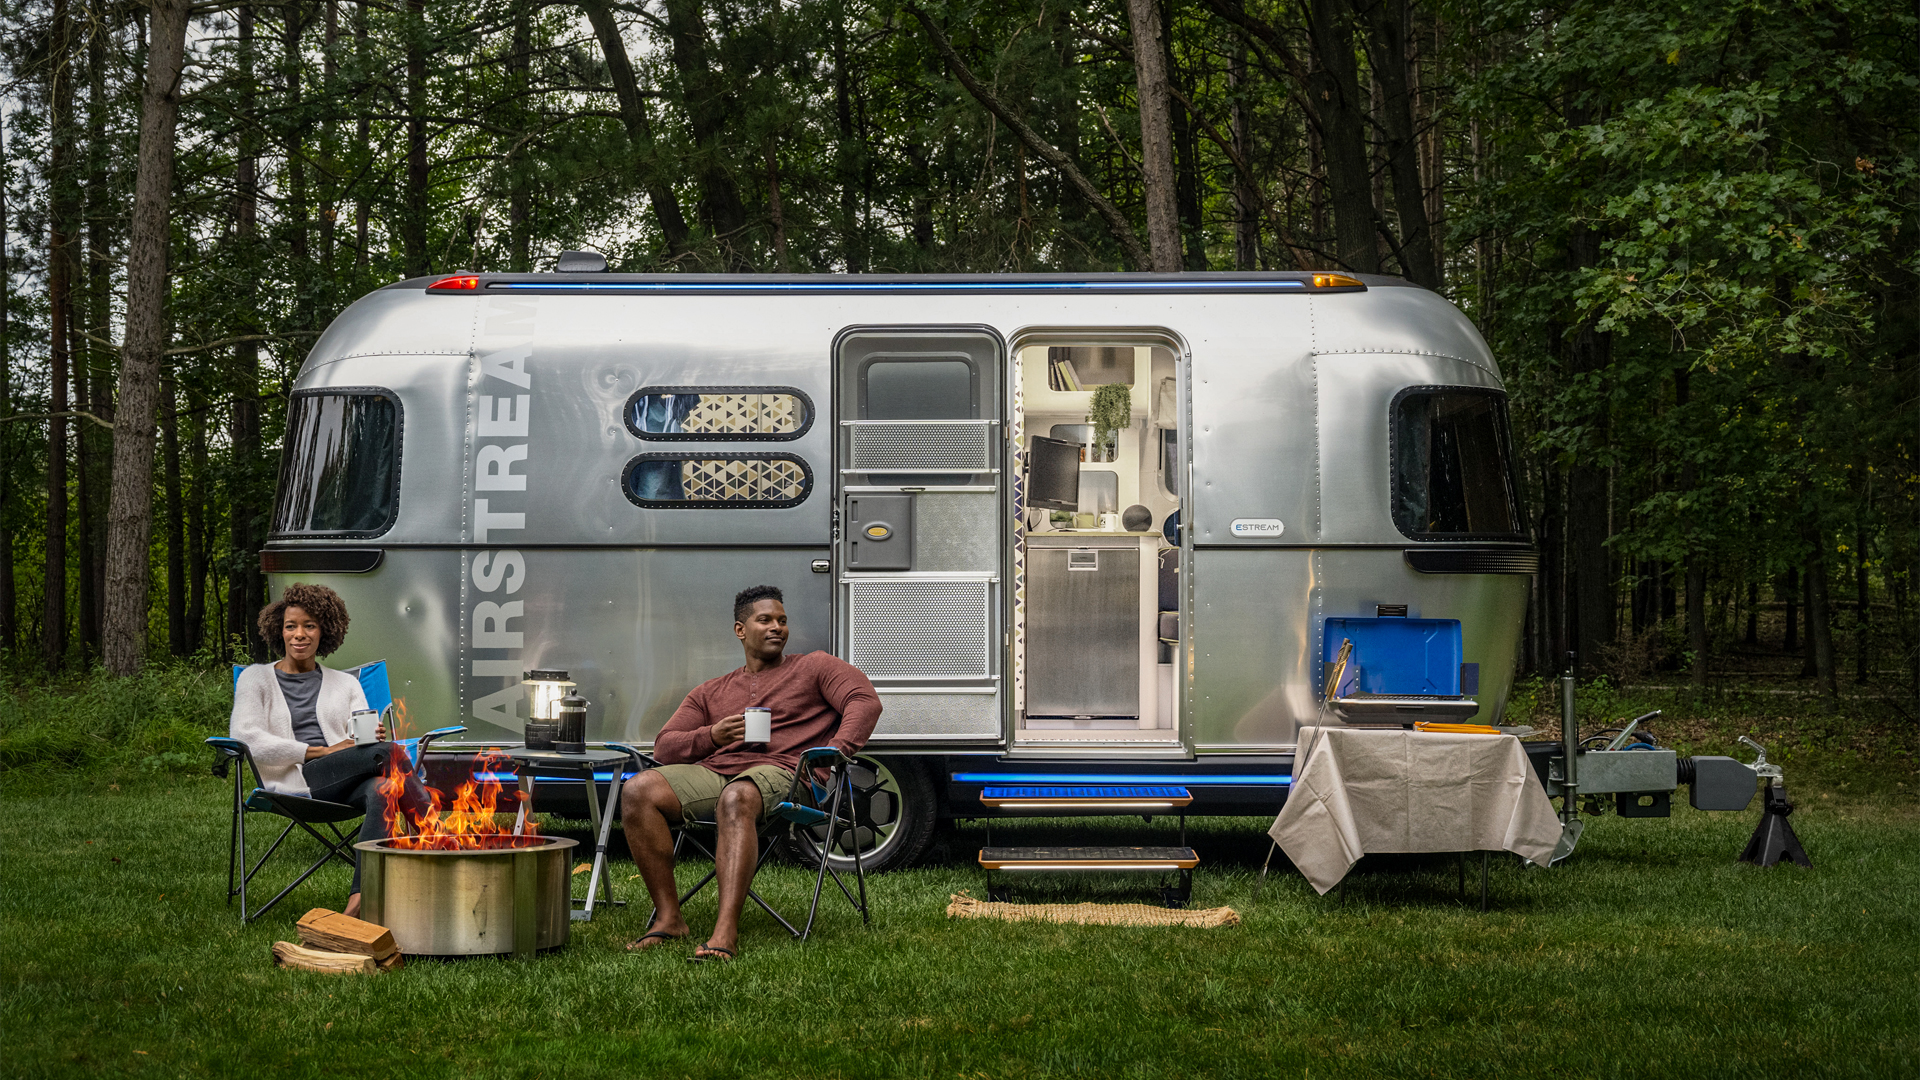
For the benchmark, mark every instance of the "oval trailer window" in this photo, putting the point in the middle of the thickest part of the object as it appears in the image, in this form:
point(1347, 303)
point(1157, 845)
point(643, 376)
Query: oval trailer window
point(708, 481)
point(719, 413)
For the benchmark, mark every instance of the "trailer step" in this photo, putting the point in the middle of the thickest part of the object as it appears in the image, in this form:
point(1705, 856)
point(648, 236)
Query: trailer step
point(1089, 858)
point(1130, 799)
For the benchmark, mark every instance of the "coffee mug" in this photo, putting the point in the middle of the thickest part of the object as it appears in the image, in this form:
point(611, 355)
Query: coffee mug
point(366, 724)
point(1109, 522)
point(759, 725)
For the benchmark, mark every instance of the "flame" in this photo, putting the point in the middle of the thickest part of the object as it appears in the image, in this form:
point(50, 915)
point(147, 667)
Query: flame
point(469, 824)
point(397, 719)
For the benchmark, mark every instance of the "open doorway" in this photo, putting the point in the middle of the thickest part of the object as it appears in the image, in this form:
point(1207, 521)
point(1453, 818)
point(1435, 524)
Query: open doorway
point(1097, 623)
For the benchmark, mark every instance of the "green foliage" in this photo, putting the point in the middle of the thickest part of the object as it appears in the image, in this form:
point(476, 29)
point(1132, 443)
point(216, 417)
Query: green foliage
point(1110, 410)
point(96, 724)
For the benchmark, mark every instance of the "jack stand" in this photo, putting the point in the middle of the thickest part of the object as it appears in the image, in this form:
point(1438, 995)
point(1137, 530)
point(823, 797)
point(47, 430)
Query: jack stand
point(1773, 839)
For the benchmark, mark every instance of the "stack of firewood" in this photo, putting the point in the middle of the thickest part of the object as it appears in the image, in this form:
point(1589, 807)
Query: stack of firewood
point(338, 945)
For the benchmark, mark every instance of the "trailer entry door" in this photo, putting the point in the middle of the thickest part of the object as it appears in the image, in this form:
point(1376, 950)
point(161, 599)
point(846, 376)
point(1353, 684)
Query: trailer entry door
point(917, 599)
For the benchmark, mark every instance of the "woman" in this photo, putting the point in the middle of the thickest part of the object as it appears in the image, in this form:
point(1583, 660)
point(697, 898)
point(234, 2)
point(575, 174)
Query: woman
point(296, 717)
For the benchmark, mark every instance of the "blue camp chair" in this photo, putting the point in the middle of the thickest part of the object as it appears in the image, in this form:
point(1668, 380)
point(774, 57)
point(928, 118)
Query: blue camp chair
point(300, 811)
point(805, 822)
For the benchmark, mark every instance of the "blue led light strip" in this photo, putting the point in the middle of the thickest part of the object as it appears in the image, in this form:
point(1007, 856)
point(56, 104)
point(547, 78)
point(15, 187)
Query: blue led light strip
point(1116, 780)
point(888, 286)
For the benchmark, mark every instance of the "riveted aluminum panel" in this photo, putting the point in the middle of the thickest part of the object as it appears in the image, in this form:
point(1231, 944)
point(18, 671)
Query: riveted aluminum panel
point(578, 359)
point(956, 531)
point(915, 717)
point(433, 430)
point(405, 611)
point(1252, 635)
point(920, 629)
point(1255, 446)
point(1491, 609)
point(394, 322)
point(1259, 615)
point(1406, 320)
point(1355, 392)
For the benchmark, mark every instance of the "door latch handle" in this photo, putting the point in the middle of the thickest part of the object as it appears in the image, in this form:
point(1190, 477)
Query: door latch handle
point(822, 566)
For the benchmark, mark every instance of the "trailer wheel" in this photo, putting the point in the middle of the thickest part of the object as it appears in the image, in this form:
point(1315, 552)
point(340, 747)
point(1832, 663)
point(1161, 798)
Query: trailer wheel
point(893, 807)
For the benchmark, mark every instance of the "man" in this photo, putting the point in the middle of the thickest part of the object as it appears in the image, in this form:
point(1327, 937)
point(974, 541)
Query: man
point(706, 767)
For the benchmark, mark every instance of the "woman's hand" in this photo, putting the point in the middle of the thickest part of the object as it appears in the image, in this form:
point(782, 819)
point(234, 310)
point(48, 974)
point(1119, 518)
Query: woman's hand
point(323, 751)
point(380, 731)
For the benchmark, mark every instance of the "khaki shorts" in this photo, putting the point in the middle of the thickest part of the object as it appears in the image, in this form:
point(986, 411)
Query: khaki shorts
point(698, 788)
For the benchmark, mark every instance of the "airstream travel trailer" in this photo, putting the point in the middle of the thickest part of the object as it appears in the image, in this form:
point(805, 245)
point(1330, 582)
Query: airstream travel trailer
point(509, 472)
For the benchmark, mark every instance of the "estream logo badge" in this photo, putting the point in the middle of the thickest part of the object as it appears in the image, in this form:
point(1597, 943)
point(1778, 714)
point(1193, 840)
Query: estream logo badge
point(1257, 528)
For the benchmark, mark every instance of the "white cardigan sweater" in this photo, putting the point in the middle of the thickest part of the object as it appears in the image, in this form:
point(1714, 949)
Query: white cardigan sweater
point(262, 720)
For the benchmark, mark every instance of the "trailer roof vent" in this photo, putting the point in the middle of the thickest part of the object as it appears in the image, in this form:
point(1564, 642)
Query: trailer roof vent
point(582, 262)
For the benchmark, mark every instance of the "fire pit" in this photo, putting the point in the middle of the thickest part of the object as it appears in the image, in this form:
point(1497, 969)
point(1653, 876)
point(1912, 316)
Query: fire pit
point(496, 893)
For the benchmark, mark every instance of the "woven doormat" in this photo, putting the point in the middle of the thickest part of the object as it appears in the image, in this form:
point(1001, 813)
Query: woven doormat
point(963, 906)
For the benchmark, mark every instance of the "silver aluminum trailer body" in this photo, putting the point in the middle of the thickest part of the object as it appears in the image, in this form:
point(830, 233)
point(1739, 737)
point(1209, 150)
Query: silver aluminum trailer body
point(538, 514)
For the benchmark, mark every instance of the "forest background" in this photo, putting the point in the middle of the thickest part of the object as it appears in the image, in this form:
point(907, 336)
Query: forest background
point(1686, 227)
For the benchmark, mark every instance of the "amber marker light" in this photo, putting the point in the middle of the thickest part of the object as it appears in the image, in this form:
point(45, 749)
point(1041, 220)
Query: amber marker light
point(1337, 281)
point(457, 283)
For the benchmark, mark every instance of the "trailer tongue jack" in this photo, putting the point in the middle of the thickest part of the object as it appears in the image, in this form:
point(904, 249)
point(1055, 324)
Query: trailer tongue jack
point(1773, 838)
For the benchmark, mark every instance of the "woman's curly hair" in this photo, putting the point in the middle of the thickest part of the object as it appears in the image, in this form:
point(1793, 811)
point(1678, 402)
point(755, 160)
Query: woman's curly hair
point(322, 603)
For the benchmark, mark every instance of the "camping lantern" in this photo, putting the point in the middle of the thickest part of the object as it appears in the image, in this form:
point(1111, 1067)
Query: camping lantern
point(545, 688)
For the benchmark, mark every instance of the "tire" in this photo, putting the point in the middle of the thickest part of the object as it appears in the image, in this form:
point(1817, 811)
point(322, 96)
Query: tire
point(894, 808)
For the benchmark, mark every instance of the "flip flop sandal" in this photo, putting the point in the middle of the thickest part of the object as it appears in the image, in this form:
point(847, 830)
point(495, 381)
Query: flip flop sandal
point(715, 952)
point(635, 946)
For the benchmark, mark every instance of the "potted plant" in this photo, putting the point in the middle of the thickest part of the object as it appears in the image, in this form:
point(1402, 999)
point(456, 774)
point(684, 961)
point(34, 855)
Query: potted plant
point(1110, 410)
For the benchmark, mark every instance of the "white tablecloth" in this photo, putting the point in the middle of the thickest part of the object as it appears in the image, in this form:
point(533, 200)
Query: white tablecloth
point(1359, 790)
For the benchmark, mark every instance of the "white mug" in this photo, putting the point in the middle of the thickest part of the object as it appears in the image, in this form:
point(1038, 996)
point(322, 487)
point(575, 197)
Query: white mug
point(759, 725)
point(1109, 522)
point(366, 723)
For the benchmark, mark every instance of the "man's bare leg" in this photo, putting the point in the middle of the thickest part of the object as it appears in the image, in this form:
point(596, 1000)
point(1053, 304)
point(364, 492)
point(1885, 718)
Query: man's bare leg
point(648, 809)
point(736, 856)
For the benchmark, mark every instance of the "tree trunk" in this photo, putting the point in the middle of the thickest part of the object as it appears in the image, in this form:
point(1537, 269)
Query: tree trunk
point(1753, 613)
point(176, 527)
point(1389, 27)
point(329, 135)
point(1156, 135)
point(711, 111)
point(85, 504)
point(413, 221)
point(1697, 617)
point(1790, 640)
point(1340, 114)
point(846, 172)
point(363, 134)
point(199, 537)
point(519, 177)
point(1863, 609)
point(130, 518)
point(1246, 199)
point(773, 205)
point(60, 232)
point(9, 599)
point(633, 116)
point(1819, 613)
point(95, 375)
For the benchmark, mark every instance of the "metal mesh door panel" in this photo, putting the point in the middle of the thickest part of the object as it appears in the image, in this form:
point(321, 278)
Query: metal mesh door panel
point(958, 446)
point(919, 629)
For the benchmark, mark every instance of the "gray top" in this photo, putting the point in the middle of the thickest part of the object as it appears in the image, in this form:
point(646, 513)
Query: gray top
point(303, 698)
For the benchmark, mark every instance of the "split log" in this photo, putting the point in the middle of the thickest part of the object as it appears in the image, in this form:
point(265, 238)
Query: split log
point(288, 955)
point(333, 932)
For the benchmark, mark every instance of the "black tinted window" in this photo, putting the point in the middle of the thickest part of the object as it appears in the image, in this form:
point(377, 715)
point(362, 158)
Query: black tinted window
point(1452, 474)
point(917, 390)
point(340, 470)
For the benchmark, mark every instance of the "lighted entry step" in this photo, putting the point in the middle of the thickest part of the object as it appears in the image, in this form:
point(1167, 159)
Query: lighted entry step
point(1089, 858)
point(1119, 800)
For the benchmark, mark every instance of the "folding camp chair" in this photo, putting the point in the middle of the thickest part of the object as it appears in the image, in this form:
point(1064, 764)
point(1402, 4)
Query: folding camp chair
point(300, 811)
point(805, 822)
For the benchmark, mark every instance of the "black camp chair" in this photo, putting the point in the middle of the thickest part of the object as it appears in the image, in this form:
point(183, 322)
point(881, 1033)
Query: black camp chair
point(299, 811)
point(805, 822)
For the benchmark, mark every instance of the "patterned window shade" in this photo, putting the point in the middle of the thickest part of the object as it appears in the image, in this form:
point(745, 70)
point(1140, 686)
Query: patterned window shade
point(711, 481)
point(719, 413)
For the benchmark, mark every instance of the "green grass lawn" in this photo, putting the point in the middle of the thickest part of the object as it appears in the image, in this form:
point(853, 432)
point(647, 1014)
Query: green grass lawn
point(1651, 953)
